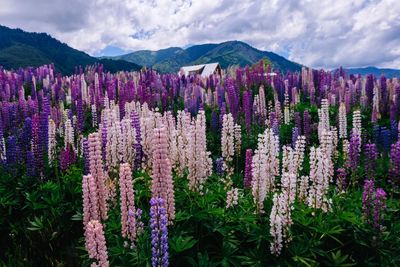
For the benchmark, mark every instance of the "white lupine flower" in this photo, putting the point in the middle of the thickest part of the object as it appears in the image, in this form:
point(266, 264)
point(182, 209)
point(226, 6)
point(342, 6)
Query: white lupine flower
point(323, 114)
point(320, 175)
point(68, 134)
point(265, 167)
point(342, 121)
point(52, 141)
point(232, 197)
point(228, 142)
point(199, 160)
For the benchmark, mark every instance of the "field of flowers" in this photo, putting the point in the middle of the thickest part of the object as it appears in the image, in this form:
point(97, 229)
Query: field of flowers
point(250, 168)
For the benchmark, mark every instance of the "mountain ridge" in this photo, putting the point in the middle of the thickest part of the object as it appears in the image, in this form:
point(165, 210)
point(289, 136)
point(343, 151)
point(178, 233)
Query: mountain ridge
point(226, 53)
point(19, 48)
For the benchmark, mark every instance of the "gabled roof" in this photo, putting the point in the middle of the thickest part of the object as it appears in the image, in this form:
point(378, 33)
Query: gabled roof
point(204, 69)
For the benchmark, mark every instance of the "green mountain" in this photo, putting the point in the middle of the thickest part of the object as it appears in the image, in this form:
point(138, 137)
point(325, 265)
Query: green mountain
point(227, 54)
point(377, 72)
point(20, 49)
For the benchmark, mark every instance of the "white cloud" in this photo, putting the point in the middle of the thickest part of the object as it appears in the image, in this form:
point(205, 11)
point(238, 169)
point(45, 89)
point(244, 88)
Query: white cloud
point(318, 33)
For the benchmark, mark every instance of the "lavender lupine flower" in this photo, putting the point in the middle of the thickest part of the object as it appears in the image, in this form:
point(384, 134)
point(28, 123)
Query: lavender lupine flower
point(86, 160)
point(248, 168)
point(297, 121)
point(379, 207)
point(36, 148)
point(371, 155)
point(367, 199)
point(295, 135)
point(219, 166)
point(159, 233)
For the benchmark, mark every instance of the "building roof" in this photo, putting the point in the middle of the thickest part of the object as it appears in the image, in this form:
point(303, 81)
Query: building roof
point(205, 70)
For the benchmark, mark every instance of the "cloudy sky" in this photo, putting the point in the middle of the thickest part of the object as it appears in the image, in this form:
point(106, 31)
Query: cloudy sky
point(316, 33)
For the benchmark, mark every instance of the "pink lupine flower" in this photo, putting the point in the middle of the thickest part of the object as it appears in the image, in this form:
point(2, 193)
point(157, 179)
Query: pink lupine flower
point(96, 243)
point(96, 170)
point(162, 185)
point(127, 198)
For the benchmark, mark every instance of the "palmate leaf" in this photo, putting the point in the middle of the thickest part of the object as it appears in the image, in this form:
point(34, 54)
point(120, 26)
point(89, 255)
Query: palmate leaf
point(338, 260)
point(181, 243)
point(36, 224)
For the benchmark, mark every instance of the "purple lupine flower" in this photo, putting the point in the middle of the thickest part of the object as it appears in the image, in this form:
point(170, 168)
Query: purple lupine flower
point(219, 166)
point(353, 154)
point(394, 170)
point(371, 155)
point(307, 124)
point(379, 207)
point(26, 135)
point(11, 150)
point(341, 179)
point(367, 199)
point(2, 145)
point(30, 164)
point(297, 121)
point(138, 146)
point(247, 108)
point(394, 131)
point(214, 123)
point(248, 175)
point(159, 233)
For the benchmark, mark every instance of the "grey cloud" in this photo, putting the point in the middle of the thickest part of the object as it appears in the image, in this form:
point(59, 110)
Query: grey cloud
point(313, 32)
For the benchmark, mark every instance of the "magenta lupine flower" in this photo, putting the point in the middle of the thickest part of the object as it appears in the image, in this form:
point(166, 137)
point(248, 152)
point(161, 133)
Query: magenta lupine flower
point(67, 158)
point(159, 233)
point(248, 168)
point(247, 109)
point(95, 243)
point(379, 207)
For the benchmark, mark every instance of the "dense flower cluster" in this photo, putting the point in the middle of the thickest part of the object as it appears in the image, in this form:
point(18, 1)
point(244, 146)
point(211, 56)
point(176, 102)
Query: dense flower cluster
point(265, 166)
point(96, 243)
point(159, 233)
point(127, 202)
point(162, 185)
